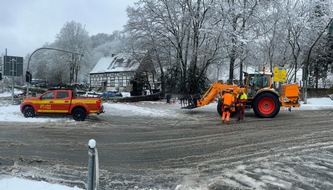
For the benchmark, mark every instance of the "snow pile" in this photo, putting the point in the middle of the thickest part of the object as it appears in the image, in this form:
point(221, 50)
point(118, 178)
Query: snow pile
point(13, 113)
point(317, 104)
point(14, 183)
point(6, 94)
point(130, 109)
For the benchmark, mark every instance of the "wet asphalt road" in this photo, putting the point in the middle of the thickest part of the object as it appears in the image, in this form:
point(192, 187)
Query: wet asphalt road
point(194, 150)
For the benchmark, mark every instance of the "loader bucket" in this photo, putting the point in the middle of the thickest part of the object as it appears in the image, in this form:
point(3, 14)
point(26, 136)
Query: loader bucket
point(188, 107)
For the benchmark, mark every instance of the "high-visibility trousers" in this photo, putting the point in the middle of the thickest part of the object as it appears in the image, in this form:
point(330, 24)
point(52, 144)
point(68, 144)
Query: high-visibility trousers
point(226, 114)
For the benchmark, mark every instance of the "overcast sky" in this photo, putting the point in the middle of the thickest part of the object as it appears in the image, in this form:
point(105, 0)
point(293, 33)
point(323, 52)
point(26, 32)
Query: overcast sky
point(26, 25)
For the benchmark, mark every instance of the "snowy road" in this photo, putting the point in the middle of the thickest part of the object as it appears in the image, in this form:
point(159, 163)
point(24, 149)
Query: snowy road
point(163, 147)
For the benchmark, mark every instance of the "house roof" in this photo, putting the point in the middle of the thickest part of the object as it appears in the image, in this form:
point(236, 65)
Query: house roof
point(118, 63)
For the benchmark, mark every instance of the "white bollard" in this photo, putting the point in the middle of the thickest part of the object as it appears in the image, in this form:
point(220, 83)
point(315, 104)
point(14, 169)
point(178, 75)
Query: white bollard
point(93, 176)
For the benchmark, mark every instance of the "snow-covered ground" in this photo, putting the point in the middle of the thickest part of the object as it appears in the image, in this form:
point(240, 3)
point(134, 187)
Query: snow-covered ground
point(14, 183)
point(10, 112)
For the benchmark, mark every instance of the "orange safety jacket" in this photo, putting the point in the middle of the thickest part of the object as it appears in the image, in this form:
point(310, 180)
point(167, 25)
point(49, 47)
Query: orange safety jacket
point(228, 99)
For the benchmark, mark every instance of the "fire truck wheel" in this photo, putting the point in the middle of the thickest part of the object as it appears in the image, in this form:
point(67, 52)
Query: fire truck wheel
point(79, 114)
point(29, 112)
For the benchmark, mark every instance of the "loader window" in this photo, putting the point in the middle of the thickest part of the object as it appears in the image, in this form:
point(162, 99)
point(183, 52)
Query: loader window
point(259, 81)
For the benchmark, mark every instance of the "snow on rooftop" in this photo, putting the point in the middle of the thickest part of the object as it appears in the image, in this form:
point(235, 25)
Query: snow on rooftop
point(118, 63)
point(102, 64)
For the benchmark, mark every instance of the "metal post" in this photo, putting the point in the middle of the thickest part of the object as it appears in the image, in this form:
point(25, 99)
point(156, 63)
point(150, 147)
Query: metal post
point(13, 66)
point(304, 90)
point(91, 164)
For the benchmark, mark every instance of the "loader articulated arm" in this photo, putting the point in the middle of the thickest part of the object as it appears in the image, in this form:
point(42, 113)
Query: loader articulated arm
point(215, 89)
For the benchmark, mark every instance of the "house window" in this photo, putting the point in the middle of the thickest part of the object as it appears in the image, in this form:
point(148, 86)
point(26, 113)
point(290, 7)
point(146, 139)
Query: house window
point(120, 82)
point(112, 83)
point(108, 81)
point(116, 81)
point(124, 82)
point(112, 80)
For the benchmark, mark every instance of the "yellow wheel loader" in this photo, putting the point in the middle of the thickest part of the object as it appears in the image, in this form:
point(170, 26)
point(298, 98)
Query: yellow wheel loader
point(262, 97)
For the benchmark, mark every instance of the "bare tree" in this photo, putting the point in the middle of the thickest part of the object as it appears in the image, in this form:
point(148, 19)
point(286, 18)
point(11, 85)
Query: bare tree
point(178, 32)
point(237, 31)
point(74, 37)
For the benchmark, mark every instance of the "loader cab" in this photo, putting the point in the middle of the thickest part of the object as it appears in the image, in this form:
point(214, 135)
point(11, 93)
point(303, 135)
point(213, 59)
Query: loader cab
point(257, 81)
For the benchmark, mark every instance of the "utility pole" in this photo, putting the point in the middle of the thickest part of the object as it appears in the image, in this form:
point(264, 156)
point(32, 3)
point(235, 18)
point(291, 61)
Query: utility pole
point(12, 70)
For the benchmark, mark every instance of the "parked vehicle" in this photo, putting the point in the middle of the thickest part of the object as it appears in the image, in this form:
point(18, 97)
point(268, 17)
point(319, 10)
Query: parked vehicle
point(61, 101)
point(91, 94)
point(110, 94)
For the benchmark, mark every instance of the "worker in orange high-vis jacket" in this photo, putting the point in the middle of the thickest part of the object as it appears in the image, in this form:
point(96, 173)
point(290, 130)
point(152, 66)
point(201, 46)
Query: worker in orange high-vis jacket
point(228, 103)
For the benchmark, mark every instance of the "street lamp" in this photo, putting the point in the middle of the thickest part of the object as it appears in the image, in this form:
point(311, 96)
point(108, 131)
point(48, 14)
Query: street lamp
point(48, 48)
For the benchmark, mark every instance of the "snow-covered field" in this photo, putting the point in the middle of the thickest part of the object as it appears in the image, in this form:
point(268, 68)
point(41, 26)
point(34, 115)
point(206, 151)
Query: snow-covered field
point(12, 113)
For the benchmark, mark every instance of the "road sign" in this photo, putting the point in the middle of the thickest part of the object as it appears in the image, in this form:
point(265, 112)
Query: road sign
point(13, 63)
point(280, 74)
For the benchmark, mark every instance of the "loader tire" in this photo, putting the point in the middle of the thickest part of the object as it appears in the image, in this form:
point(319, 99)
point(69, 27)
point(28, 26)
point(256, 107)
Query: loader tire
point(219, 109)
point(266, 105)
